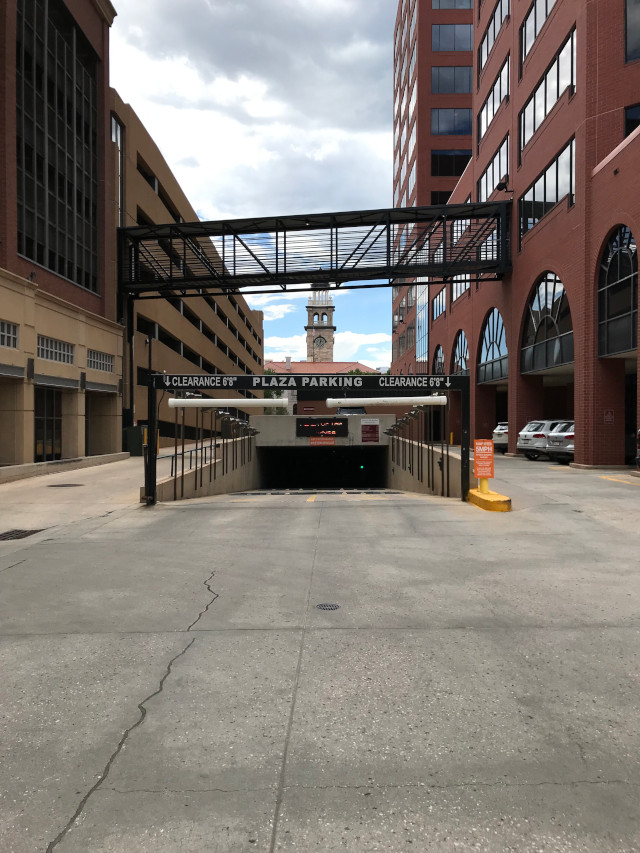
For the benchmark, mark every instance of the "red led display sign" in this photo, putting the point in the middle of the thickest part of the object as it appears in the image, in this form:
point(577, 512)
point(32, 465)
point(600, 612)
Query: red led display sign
point(322, 427)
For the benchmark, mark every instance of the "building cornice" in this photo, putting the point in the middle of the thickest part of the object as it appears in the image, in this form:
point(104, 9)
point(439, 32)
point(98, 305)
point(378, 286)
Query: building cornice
point(106, 9)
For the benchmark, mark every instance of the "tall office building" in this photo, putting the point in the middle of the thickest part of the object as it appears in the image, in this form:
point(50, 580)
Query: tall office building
point(556, 116)
point(60, 344)
point(432, 127)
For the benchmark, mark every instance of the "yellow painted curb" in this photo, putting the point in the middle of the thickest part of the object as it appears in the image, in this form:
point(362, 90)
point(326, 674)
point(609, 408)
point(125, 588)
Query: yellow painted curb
point(491, 501)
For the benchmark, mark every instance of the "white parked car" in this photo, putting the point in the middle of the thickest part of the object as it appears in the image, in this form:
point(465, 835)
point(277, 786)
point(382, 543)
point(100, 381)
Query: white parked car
point(532, 440)
point(501, 437)
point(560, 442)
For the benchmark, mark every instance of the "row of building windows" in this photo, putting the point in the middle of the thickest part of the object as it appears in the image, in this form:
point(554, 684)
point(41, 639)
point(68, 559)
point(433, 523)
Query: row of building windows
point(533, 23)
point(452, 4)
point(497, 169)
point(439, 303)
point(55, 350)
point(560, 75)
point(501, 11)
point(499, 91)
point(555, 183)
point(547, 336)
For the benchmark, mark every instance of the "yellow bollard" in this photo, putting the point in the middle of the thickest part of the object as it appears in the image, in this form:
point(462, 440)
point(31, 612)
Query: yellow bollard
point(451, 438)
point(483, 486)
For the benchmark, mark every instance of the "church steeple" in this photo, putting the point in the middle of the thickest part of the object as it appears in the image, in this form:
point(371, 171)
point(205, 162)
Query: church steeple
point(320, 328)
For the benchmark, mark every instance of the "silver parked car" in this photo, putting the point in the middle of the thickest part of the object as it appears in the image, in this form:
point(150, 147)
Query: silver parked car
point(501, 437)
point(532, 440)
point(560, 442)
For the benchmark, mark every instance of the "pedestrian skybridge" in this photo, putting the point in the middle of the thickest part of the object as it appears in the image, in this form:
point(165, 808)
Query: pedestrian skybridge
point(365, 248)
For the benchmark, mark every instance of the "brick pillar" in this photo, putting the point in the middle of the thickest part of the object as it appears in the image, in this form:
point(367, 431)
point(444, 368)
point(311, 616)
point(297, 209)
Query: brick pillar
point(526, 402)
point(485, 418)
point(601, 440)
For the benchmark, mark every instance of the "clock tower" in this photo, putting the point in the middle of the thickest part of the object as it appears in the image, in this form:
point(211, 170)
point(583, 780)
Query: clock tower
point(320, 328)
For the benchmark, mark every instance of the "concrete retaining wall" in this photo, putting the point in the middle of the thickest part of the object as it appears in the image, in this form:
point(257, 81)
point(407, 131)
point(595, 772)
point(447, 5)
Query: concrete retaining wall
point(403, 472)
point(242, 478)
point(9, 473)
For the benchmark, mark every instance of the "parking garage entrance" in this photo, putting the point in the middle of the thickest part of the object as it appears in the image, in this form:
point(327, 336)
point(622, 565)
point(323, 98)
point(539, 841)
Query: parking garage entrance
point(348, 451)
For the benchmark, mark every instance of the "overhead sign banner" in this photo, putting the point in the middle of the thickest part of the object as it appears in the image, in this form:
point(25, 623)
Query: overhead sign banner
point(370, 382)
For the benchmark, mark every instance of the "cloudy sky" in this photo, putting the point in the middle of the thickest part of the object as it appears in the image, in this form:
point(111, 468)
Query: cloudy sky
point(271, 107)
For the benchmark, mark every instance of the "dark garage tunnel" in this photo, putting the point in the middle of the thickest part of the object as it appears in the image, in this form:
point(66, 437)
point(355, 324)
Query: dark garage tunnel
point(322, 467)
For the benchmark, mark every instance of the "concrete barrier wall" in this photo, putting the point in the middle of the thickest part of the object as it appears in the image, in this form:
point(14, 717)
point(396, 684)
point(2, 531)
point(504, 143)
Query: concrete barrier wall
point(403, 471)
point(244, 477)
point(8, 473)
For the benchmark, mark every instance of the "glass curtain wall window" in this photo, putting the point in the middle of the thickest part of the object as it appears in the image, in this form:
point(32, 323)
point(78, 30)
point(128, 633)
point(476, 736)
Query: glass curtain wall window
point(422, 320)
point(618, 294)
point(560, 75)
point(57, 142)
point(494, 356)
point(554, 184)
point(547, 339)
point(438, 361)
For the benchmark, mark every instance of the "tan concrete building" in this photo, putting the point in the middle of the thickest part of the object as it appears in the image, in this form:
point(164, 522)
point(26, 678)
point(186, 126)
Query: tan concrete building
point(60, 344)
point(200, 334)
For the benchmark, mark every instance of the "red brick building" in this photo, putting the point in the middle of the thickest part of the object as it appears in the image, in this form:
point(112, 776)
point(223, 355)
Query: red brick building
point(433, 75)
point(556, 111)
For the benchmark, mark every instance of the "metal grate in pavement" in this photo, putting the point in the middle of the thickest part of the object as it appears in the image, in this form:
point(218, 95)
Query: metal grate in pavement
point(19, 534)
point(64, 485)
point(327, 607)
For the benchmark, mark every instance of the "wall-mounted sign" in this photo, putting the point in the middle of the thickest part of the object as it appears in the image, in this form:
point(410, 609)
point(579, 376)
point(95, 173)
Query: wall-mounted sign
point(370, 430)
point(322, 427)
point(609, 416)
point(350, 384)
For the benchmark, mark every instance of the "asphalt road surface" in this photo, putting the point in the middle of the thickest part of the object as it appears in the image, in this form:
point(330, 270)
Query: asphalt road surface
point(169, 682)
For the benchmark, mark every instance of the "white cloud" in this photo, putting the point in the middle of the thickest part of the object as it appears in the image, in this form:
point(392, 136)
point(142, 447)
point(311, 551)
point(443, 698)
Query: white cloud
point(278, 348)
point(348, 344)
point(278, 311)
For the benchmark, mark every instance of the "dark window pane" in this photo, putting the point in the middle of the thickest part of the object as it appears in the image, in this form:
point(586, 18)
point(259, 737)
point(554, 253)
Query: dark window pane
point(463, 36)
point(631, 119)
point(633, 30)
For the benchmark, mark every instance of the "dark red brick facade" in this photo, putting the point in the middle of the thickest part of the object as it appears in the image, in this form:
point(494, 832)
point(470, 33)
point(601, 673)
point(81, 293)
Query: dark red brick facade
point(568, 240)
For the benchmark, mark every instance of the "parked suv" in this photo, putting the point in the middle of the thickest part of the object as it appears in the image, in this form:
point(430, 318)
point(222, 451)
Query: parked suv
point(560, 442)
point(532, 440)
point(501, 437)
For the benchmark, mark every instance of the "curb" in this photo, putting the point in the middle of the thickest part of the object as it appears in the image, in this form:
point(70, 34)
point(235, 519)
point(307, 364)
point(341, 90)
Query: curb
point(491, 501)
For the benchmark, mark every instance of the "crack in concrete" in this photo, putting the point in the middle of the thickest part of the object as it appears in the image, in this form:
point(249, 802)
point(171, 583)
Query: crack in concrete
point(215, 595)
point(378, 787)
point(105, 772)
point(13, 565)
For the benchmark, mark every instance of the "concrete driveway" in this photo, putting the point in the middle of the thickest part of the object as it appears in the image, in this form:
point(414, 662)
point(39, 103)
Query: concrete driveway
point(170, 683)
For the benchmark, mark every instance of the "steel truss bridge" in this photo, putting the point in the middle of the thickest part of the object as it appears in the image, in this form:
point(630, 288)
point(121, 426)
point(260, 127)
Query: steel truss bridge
point(364, 248)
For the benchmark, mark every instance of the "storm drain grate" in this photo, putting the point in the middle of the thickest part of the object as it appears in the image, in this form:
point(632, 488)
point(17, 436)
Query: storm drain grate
point(327, 607)
point(20, 534)
point(64, 485)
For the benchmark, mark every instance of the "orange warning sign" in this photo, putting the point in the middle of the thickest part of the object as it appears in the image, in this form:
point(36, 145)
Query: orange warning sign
point(318, 440)
point(483, 458)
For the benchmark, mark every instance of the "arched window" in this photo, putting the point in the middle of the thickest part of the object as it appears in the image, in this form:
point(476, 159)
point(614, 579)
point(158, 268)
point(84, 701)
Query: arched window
point(316, 318)
point(324, 319)
point(460, 356)
point(547, 339)
point(494, 358)
point(618, 294)
point(438, 361)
